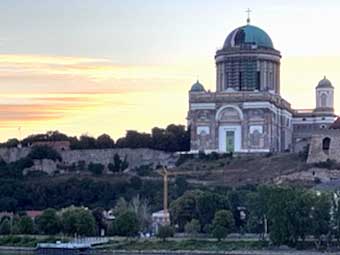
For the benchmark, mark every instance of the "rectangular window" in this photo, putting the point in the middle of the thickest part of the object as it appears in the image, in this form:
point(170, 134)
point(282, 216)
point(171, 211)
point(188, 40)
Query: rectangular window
point(240, 78)
point(258, 80)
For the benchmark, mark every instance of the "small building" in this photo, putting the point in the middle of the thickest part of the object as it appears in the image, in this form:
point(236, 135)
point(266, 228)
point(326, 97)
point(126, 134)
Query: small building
point(325, 145)
point(159, 219)
point(34, 213)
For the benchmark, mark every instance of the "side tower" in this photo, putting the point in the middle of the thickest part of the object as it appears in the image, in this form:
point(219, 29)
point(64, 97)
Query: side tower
point(308, 122)
point(324, 96)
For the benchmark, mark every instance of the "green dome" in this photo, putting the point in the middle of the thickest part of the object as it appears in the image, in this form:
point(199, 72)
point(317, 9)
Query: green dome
point(248, 36)
point(197, 87)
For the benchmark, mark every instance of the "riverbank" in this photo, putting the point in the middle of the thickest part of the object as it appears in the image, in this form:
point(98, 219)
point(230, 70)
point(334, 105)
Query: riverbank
point(122, 246)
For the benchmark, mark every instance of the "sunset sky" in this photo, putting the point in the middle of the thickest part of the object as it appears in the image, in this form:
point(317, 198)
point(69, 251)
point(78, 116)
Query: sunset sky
point(106, 66)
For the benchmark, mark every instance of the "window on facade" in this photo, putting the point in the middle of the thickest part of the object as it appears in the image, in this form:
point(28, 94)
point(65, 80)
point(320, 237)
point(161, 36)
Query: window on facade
point(258, 80)
point(326, 142)
point(240, 77)
point(323, 100)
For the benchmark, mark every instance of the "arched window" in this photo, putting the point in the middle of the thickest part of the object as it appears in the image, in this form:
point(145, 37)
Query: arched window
point(326, 142)
point(323, 100)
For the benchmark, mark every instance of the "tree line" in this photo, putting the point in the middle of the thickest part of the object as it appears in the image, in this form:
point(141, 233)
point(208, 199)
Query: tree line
point(291, 216)
point(172, 138)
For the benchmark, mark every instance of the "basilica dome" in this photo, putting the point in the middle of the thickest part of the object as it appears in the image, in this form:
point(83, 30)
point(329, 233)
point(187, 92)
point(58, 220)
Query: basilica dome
point(248, 36)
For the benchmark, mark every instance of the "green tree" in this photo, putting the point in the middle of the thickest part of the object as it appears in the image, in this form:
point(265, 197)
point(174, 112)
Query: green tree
point(127, 224)
point(193, 227)
point(223, 220)
point(104, 142)
point(321, 217)
point(181, 185)
point(5, 227)
point(49, 223)
point(26, 225)
point(165, 232)
point(184, 209)
point(207, 205)
point(78, 221)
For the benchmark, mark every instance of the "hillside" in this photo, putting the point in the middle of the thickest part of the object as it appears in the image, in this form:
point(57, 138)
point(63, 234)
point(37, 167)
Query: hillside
point(252, 170)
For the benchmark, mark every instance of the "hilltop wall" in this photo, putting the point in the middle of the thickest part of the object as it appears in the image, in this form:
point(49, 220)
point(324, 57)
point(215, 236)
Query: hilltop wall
point(135, 157)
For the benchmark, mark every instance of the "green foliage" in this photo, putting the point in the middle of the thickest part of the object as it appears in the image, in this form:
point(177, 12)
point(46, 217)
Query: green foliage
point(11, 143)
point(25, 225)
point(96, 168)
point(181, 185)
point(5, 227)
point(44, 152)
point(173, 138)
point(197, 204)
point(78, 221)
point(49, 222)
point(104, 142)
point(118, 165)
point(189, 245)
point(165, 232)
point(50, 136)
point(127, 224)
point(219, 232)
point(223, 224)
point(27, 241)
point(320, 216)
point(193, 227)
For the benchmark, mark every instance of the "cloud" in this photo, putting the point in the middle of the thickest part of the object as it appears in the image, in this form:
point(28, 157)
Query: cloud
point(55, 73)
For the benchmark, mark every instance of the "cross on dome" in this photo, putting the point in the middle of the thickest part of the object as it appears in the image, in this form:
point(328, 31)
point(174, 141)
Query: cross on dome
point(248, 19)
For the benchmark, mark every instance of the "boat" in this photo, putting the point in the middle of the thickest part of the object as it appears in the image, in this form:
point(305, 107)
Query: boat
point(63, 249)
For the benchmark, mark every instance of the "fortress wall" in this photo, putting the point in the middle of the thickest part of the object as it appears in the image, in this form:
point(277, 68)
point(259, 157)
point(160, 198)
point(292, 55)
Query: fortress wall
point(316, 152)
point(135, 157)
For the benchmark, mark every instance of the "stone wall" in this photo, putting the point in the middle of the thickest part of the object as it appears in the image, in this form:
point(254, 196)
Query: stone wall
point(135, 157)
point(316, 151)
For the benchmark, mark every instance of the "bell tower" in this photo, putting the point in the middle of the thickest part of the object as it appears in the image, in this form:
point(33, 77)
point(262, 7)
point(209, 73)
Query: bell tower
point(325, 96)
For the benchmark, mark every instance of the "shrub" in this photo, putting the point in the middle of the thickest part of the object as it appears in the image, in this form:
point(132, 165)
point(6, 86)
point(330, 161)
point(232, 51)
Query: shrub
point(44, 152)
point(127, 224)
point(5, 227)
point(96, 168)
point(165, 232)
point(193, 227)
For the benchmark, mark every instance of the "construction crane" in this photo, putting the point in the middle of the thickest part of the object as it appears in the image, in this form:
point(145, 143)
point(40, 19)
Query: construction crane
point(165, 173)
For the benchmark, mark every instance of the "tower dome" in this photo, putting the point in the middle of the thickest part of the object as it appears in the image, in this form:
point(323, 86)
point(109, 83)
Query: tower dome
point(248, 36)
point(325, 83)
point(197, 87)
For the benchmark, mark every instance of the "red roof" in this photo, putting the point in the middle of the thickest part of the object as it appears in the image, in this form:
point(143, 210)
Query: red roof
point(336, 124)
point(34, 214)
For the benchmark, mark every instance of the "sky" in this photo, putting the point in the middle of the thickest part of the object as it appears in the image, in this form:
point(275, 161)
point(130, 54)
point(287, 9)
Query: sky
point(107, 66)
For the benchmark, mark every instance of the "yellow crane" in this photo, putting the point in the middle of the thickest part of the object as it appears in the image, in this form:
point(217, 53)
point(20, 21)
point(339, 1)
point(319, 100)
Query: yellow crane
point(165, 173)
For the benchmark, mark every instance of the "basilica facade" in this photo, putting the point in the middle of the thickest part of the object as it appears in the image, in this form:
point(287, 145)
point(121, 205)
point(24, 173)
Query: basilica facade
point(246, 113)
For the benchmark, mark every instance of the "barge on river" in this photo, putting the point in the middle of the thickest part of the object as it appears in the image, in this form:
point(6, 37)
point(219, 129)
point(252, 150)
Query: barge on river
point(63, 249)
